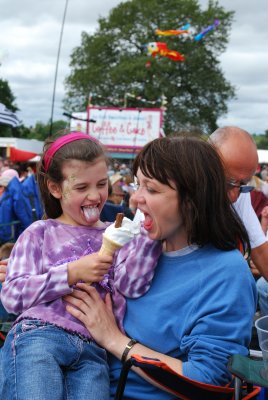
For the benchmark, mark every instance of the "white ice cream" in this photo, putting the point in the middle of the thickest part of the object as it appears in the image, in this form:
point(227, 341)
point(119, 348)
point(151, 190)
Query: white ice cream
point(125, 233)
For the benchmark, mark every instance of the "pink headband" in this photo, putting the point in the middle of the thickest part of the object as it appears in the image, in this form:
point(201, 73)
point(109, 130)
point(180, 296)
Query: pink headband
point(61, 141)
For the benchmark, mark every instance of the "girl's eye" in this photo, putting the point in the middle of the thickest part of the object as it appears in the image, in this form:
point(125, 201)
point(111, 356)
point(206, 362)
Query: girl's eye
point(102, 184)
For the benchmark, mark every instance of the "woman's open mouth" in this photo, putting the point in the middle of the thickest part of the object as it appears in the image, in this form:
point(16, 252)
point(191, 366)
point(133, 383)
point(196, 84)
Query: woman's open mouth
point(148, 222)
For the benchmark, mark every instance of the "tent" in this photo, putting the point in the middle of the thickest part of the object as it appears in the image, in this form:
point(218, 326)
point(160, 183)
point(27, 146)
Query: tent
point(16, 155)
point(263, 156)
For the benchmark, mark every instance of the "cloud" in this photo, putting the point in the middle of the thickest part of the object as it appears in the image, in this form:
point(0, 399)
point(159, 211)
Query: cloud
point(29, 44)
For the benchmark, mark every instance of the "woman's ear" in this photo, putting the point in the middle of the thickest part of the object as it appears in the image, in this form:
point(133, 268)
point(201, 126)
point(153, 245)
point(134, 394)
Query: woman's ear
point(54, 189)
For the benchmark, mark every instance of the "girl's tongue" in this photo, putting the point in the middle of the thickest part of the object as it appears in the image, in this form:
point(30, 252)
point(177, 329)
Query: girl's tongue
point(148, 222)
point(91, 214)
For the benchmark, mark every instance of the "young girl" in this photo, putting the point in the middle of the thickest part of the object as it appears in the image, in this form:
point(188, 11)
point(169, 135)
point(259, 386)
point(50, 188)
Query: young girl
point(48, 354)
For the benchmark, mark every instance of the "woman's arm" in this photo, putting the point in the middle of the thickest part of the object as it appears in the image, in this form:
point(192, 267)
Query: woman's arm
point(97, 315)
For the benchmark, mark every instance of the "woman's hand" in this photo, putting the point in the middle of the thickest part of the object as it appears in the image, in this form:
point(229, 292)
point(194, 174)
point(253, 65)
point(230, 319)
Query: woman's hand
point(97, 315)
point(3, 270)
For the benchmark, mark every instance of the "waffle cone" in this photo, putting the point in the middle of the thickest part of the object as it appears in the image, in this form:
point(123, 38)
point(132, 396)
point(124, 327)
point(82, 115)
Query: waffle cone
point(108, 247)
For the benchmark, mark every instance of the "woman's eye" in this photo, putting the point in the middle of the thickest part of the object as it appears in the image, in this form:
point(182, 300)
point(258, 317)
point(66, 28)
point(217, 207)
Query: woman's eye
point(150, 190)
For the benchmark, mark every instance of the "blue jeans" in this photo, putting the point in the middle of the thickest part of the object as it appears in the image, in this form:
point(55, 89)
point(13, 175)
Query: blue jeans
point(43, 362)
point(262, 286)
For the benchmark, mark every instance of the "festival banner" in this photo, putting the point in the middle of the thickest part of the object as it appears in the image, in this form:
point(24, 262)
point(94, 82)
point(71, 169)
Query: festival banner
point(124, 129)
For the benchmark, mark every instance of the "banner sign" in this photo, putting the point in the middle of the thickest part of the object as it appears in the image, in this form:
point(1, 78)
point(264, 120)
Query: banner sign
point(124, 129)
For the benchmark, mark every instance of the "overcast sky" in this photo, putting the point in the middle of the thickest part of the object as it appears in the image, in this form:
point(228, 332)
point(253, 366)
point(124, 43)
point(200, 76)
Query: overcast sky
point(29, 40)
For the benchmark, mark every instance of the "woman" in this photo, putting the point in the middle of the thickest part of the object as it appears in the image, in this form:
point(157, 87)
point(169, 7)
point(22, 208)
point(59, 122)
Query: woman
point(202, 299)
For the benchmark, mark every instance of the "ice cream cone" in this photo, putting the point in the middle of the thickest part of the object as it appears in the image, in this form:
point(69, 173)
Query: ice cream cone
point(108, 246)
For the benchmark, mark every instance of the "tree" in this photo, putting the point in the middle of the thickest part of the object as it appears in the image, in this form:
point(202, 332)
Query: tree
point(111, 63)
point(261, 140)
point(41, 131)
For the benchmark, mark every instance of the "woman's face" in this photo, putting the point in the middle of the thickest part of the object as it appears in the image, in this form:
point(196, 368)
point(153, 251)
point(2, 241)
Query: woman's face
point(160, 205)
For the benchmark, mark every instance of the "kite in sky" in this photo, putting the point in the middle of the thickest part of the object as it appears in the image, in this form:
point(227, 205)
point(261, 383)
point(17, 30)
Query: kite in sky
point(173, 32)
point(161, 49)
point(209, 28)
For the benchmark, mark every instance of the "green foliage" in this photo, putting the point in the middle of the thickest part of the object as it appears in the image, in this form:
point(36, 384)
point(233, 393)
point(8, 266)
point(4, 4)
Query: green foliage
point(6, 96)
point(41, 131)
point(111, 63)
point(261, 140)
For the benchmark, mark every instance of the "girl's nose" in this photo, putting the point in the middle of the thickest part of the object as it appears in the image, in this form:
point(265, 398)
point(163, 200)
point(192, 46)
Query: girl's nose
point(93, 194)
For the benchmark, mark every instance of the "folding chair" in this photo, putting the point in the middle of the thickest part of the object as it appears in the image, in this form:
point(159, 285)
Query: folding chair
point(181, 386)
point(8, 231)
point(4, 329)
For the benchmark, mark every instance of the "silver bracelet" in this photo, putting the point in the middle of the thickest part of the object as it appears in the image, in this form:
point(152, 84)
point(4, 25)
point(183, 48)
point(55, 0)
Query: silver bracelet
point(128, 347)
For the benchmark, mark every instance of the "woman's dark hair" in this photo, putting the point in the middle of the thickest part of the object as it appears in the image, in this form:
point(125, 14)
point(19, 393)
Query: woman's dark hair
point(83, 150)
point(196, 169)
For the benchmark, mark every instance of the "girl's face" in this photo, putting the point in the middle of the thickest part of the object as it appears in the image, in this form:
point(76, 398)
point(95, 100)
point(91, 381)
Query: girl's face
point(83, 191)
point(160, 205)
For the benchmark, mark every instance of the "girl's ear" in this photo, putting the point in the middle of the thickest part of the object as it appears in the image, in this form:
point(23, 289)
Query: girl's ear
point(54, 189)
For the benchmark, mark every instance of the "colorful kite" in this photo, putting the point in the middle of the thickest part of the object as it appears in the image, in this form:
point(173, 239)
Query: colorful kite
point(209, 28)
point(173, 32)
point(161, 49)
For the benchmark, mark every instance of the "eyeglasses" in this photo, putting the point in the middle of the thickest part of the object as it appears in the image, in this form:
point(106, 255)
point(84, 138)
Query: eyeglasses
point(241, 186)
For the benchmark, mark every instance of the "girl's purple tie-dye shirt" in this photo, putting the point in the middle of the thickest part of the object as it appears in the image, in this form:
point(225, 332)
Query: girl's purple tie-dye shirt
point(37, 271)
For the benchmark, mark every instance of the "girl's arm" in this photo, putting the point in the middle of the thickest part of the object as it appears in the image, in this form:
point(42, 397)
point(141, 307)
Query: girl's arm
point(29, 282)
point(26, 282)
point(134, 265)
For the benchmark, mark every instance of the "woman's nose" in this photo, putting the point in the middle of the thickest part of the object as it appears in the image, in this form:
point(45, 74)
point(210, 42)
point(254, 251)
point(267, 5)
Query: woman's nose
point(138, 196)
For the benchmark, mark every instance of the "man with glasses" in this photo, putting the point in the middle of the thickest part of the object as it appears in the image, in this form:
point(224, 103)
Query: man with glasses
point(238, 152)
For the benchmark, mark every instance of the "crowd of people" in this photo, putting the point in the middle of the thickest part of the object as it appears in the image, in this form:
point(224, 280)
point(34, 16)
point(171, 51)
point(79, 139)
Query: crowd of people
point(184, 279)
point(20, 202)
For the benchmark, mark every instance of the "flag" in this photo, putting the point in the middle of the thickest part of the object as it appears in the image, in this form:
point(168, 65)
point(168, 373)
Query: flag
point(7, 117)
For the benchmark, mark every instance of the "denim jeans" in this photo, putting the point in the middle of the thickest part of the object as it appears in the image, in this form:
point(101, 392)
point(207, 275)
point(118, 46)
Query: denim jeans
point(262, 286)
point(43, 362)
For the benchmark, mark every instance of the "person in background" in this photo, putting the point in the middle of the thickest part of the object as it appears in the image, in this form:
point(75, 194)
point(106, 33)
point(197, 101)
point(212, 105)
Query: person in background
point(5, 250)
point(110, 210)
point(262, 284)
point(116, 197)
point(31, 192)
point(238, 152)
point(195, 314)
point(14, 207)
